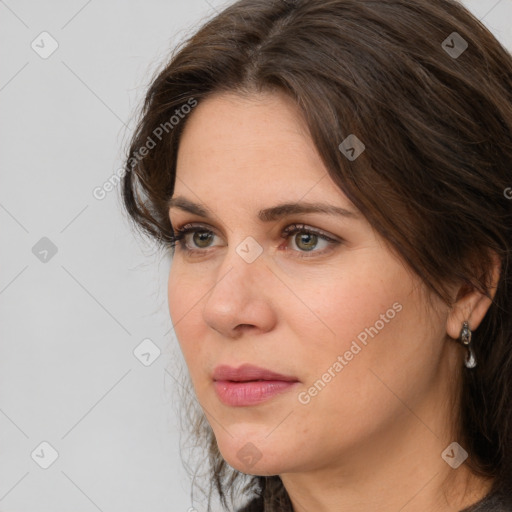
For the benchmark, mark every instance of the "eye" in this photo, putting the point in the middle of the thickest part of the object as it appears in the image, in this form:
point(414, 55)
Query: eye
point(201, 237)
point(307, 239)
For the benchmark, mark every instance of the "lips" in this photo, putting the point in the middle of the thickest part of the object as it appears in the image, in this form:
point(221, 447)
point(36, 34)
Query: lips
point(247, 372)
point(249, 385)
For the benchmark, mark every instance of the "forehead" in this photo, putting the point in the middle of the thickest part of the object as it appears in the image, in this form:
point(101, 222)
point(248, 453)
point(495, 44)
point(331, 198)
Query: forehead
point(248, 141)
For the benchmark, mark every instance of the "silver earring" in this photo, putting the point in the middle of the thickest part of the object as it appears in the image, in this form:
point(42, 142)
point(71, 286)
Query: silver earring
point(465, 339)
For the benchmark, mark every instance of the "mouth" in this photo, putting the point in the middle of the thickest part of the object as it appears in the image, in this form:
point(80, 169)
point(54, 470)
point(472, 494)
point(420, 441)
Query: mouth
point(249, 385)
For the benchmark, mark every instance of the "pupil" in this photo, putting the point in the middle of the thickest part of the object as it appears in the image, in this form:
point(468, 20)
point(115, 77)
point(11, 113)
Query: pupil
point(201, 236)
point(304, 237)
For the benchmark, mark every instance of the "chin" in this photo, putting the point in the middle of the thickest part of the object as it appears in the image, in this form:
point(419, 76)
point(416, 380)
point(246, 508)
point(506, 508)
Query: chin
point(253, 454)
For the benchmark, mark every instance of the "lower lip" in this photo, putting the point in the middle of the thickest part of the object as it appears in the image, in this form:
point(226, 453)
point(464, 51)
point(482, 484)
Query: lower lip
point(250, 393)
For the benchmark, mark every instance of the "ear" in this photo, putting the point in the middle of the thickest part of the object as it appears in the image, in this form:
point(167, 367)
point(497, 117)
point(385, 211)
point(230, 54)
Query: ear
point(471, 304)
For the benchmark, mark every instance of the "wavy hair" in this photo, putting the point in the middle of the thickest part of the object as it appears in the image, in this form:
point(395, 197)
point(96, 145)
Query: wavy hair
point(428, 89)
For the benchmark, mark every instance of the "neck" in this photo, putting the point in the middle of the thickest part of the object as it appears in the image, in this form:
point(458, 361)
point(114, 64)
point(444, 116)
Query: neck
point(399, 469)
point(388, 479)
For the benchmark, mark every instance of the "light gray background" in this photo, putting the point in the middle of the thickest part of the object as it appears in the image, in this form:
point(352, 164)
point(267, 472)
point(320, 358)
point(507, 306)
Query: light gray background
point(69, 325)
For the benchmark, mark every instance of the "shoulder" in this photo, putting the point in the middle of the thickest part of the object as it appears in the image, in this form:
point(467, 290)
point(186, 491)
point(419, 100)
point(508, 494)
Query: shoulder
point(493, 502)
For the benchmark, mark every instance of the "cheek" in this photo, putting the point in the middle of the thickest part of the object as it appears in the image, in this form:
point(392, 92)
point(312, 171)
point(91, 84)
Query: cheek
point(186, 300)
point(369, 318)
point(351, 306)
point(384, 338)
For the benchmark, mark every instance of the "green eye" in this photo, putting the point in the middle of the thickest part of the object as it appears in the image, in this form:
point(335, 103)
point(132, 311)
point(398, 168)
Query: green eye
point(306, 239)
point(201, 238)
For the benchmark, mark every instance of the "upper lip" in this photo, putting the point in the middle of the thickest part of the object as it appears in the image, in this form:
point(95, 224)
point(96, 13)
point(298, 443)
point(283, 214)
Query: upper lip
point(248, 372)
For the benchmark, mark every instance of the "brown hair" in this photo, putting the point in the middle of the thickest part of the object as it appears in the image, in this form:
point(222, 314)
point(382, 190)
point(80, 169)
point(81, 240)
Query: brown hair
point(437, 127)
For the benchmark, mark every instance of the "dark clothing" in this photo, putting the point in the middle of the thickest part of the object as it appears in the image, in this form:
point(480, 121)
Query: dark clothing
point(494, 502)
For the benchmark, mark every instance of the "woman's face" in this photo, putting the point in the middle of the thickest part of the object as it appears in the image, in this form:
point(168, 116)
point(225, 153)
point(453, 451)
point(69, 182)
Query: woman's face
point(343, 322)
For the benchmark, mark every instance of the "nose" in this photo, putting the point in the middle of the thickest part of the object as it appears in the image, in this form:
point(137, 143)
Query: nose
point(241, 297)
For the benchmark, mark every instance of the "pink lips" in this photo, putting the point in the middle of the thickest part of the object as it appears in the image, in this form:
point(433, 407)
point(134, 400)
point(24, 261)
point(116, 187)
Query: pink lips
point(249, 385)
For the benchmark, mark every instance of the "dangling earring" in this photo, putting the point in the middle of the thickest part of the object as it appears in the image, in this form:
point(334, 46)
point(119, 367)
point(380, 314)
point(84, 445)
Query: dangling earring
point(465, 339)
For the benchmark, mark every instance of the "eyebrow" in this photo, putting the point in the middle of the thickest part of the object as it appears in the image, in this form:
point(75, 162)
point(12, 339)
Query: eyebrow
point(267, 214)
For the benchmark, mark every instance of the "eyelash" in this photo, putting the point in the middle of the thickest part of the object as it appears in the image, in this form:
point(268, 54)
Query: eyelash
point(293, 229)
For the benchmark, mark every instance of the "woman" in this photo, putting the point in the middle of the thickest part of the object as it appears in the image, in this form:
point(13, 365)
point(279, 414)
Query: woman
point(333, 180)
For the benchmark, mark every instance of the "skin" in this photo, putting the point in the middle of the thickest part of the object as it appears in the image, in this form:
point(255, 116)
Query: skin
point(372, 438)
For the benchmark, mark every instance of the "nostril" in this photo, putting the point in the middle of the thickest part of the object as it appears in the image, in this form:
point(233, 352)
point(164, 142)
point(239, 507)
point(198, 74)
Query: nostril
point(243, 327)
